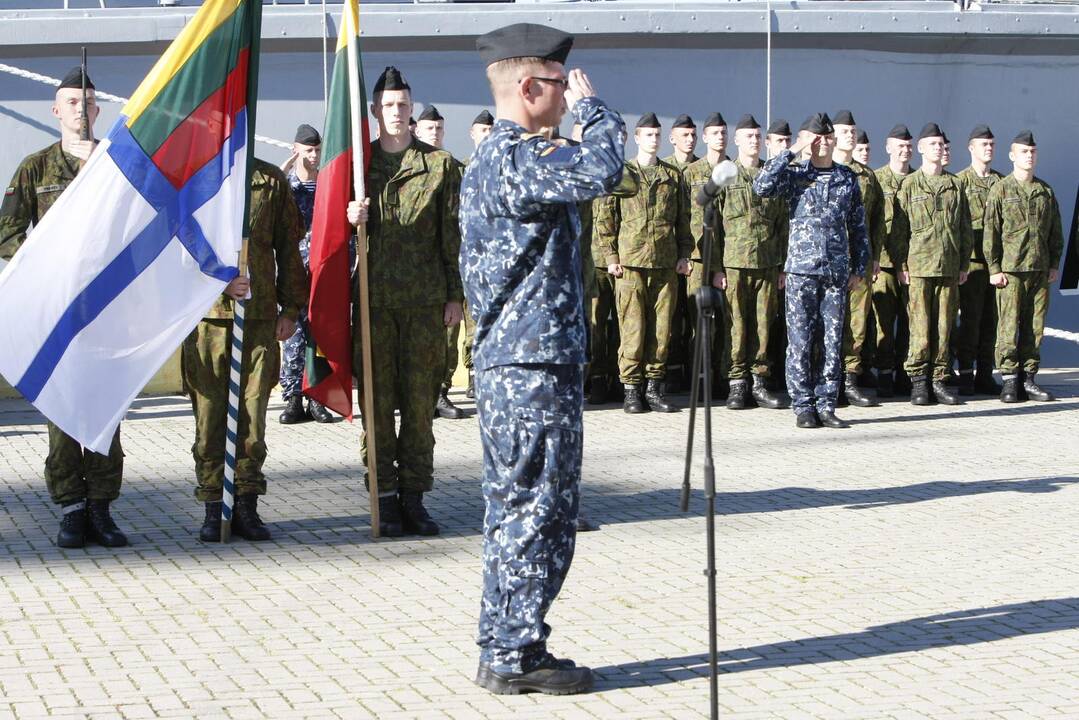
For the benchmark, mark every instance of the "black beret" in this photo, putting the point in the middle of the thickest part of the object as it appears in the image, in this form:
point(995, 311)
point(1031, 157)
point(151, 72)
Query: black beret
point(484, 118)
point(648, 120)
point(74, 79)
point(390, 79)
point(683, 121)
point(931, 130)
point(524, 40)
point(844, 117)
point(307, 135)
point(1025, 137)
point(944, 137)
point(819, 124)
point(900, 132)
point(747, 122)
point(431, 113)
point(981, 132)
point(715, 120)
point(780, 127)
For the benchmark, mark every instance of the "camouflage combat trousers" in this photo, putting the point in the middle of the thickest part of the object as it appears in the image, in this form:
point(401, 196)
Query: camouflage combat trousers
point(408, 354)
point(293, 358)
point(678, 347)
point(859, 309)
point(205, 361)
point(453, 336)
point(892, 328)
point(976, 333)
point(603, 326)
point(931, 307)
point(531, 430)
point(1021, 308)
point(74, 473)
point(816, 306)
point(752, 298)
point(721, 327)
point(645, 308)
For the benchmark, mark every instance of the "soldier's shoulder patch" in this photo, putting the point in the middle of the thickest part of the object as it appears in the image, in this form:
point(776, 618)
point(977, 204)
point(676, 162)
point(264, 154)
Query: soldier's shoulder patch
point(9, 191)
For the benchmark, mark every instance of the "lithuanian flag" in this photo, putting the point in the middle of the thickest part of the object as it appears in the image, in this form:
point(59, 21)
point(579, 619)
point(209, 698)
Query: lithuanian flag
point(139, 246)
point(328, 370)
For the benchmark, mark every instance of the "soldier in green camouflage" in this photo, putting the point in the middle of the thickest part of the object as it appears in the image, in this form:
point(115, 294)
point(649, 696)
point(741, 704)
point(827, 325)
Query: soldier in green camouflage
point(683, 139)
point(714, 135)
point(777, 138)
point(860, 297)
point(861, 148)
point(931, 241)
point(889, 295)
point(415, 294)
point(752, 253)
point(82, 482)
point(976, 333)
point(647, 240)
point(1023, 241)
point(277, 285)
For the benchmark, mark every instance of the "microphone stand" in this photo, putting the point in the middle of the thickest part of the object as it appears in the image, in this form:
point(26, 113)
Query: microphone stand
point(707, 301)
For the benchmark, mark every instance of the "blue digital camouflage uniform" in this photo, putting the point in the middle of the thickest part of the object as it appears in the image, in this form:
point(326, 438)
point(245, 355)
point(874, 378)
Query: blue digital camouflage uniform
point(828, 243)
point(292, 360)
point(520, 261)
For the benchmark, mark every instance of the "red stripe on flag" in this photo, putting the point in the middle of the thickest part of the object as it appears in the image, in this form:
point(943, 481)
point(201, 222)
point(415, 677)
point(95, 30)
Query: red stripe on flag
point(202, 134)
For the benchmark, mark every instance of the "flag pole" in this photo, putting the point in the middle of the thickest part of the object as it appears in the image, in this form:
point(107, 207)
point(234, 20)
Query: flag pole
point(228, 485)
point(367, 394)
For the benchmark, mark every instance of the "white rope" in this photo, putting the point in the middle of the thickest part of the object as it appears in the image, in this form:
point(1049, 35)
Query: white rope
point(55, 82)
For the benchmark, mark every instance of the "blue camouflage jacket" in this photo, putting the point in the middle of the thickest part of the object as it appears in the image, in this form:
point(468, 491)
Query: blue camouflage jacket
point(520, 229)
point(827, 219)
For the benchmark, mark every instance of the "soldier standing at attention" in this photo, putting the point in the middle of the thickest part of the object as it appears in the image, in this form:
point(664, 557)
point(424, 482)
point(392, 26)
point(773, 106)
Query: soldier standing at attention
point(778, 137)
point(647, 241)
point(860, 299)
point(931, 240)
point(415, 294)
point(1023, 244)
point(827, 253)
point(752, 250)
point(683, 139)
point(431, 129)
point(714, 135)
point(889, 295)
point(521, 265)
point(861, 148)
point(82, 482)
point(275, 279)
point(977, 330)
point(481, 128)
point(301, 169)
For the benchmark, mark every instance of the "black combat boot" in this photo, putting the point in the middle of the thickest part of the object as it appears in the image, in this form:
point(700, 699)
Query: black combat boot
point(966, 383)
point(919, 391)
point(737, 395)
point(984, 384)
point(319, 412)
point(885, 384)
point(470, 393)
point(101, 529)
point(444, 407)
point(211, 525)
point(550, 679)
point(72, 525)
point(1033, 391)
point(294, 412)
point(853, 393)
point(597, 393)
point(1009, 393)
point(764, 397)
point(828, 419)
point(389, 516)
point(653, 395)
point(807, 419)
point(483, 672)
point(633, 404)
point(415, 520)
point(943, 394)
point(246, 521)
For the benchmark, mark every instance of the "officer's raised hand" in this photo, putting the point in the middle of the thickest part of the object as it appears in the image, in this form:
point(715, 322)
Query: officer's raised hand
point(577, 86)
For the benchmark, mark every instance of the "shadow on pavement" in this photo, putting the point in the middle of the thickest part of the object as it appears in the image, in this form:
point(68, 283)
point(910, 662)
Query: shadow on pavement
point(963, 627)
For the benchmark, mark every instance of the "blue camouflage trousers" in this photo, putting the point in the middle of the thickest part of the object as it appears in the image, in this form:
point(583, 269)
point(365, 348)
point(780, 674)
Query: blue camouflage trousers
point(293, 355)
point(816, 316)
point(530, 420)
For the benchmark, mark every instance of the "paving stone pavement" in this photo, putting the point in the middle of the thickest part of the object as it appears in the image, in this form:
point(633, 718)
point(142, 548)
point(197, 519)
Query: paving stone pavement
point(919, 565)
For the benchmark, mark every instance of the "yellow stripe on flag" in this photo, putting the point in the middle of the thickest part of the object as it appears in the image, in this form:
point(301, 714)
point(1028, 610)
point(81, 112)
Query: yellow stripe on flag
point(350, 24)
point(206, 20)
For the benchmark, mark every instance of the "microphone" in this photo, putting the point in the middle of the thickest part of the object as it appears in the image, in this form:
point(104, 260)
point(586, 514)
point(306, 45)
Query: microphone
point(723, 174)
